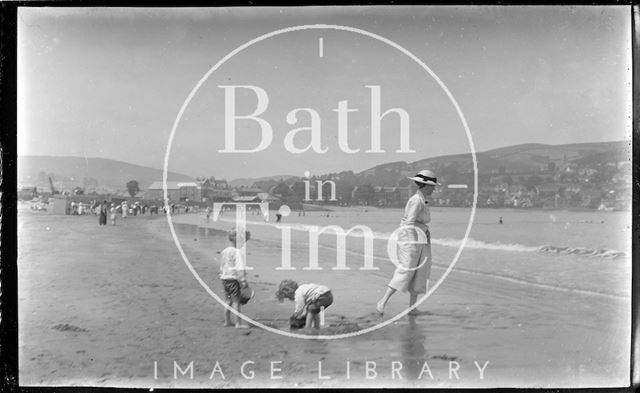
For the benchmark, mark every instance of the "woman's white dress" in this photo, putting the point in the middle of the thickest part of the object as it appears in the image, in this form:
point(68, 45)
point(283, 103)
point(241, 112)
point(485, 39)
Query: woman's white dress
point(416, 218)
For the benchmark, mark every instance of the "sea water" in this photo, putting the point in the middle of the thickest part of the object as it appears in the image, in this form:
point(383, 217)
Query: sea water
point(568, 250)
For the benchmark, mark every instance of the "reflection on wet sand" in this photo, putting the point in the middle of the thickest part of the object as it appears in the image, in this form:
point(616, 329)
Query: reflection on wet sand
point(412, 344)
point(195, 230)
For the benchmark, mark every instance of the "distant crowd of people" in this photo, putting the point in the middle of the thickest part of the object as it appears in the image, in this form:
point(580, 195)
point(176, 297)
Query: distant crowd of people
point(111, 211)
point(124, 209)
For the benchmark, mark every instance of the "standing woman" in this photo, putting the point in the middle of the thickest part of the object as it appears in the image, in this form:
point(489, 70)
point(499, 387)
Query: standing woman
point(412, 252)
point(103, 214)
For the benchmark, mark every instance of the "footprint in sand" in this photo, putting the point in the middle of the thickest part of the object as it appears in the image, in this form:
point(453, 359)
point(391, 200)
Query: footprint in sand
point(317, 351)
point(420, 313)
point(69, 328)
point(444, 357)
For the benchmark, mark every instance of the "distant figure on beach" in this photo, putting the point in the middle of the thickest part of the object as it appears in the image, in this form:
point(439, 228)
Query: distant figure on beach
point(102, 220)
point(208, 213)
point(500, 220)
point(309, 300)
point(125, 209)
point(411, 251)
point(234, 278)
point(113, 212)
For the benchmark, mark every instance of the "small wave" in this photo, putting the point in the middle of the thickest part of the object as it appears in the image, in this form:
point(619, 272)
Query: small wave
point(479, 244)
point(581, 251)
point(600, 253)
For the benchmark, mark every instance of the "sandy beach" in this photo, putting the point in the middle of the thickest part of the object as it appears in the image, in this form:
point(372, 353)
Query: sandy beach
point(117, 306)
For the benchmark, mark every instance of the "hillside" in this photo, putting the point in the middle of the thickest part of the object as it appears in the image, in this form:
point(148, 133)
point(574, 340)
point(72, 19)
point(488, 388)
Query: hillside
point(523, 158)
point(110, 175)
point(585, 176)
point(89, 173)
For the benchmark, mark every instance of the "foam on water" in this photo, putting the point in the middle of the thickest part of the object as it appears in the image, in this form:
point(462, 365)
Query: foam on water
point(478, 244)
point(581, 251)
point(601, 253)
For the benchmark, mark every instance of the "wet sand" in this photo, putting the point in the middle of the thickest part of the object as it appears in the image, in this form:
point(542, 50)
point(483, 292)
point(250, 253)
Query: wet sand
point(116, 306)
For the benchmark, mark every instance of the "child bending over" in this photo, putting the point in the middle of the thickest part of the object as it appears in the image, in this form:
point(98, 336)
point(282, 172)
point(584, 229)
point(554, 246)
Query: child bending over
point(309, 300)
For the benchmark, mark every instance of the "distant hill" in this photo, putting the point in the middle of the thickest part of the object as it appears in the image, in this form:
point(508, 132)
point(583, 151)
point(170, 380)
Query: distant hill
point(111, 175)
point(90, 173)
point(523, 158)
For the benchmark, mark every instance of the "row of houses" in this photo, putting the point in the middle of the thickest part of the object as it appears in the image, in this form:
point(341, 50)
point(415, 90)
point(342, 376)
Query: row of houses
point(392, 196)
point(208, 190)
point(380, 195)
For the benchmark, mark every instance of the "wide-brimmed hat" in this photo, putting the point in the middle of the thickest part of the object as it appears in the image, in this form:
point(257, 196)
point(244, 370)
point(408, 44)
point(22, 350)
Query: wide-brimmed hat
point(426, 177)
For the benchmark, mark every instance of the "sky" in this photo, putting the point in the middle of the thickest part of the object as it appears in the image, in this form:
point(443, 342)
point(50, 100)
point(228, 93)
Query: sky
point(110, 83)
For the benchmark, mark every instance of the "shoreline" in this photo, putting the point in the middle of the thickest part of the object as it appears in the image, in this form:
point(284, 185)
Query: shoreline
point(509, 209)
point(336, 208)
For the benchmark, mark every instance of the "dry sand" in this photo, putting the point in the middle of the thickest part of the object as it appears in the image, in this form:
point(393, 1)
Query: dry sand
point(100, 306)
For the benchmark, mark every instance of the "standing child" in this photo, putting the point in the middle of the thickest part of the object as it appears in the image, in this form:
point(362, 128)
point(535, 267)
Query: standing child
point(309, 300)
point(233, 276)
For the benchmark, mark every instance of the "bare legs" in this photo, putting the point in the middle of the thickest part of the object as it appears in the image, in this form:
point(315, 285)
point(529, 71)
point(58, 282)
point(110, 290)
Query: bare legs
point(313, 320)
point(235, 303)
point(227, 314)
point(413, 297)
point(309, 321)
point(385, 298)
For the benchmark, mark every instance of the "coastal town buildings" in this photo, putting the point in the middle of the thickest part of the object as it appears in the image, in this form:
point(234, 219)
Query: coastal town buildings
point(176, 191)
point(213, 190)
point(208, 190)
